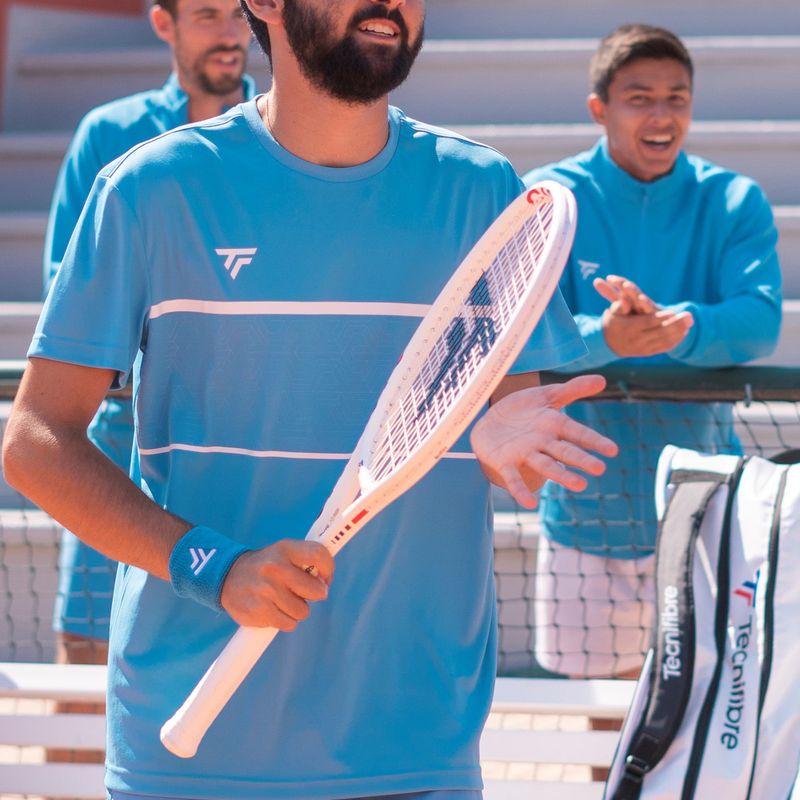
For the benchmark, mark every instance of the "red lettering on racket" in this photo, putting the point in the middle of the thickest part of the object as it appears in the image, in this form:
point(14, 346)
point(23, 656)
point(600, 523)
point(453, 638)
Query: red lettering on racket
point(537, 195)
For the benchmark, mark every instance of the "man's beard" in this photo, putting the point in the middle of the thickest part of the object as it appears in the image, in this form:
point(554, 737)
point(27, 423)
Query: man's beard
point(224, 84)
point(343, 68)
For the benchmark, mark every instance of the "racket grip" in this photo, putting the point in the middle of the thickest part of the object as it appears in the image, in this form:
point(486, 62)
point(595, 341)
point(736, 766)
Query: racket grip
point(183, 732)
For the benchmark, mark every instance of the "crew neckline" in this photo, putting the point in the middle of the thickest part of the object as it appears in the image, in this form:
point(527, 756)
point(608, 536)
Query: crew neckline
point(334, 174)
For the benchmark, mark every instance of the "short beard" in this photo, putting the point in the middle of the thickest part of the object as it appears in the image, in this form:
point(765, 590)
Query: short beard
point(223, 86)
point(343, 69)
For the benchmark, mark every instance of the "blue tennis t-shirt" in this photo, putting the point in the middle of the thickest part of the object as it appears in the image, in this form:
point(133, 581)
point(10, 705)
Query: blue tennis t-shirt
point(270, 299)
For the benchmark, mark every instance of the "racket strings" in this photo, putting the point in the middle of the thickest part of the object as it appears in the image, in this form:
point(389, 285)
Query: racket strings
point(456, 355)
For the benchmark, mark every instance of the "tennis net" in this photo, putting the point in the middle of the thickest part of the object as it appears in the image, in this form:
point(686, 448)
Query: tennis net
point(548, 602)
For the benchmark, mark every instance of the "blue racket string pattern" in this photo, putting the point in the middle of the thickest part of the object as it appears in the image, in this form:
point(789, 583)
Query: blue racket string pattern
point(461, 350)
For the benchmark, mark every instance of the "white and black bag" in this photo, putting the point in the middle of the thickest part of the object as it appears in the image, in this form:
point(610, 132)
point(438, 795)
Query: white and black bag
point(716, 711)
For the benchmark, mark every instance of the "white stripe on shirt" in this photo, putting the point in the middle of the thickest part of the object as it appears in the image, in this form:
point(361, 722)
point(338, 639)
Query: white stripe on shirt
point(244, 451)
point(276, 307)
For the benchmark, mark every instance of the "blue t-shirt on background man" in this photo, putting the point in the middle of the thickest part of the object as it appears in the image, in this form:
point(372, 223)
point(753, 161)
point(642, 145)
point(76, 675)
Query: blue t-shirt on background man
point(85, 577)
point(701, 239)
point(269, 299)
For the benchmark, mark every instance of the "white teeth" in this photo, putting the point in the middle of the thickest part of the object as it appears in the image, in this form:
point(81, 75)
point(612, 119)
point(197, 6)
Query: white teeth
point(376, 27)
point(658, 139)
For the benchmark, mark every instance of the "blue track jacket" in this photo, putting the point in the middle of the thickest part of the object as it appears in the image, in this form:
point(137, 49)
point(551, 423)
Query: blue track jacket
point(701, 238)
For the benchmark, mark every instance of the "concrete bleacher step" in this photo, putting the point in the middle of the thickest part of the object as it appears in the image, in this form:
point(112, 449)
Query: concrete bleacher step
point(42, 27)
point(766, 150)
point(29, 163)
point(17, 324)
point(21, 244)
point(469, 18)
point(788, 222)
point(22, 240)
point(454, 81)
point(505, 81)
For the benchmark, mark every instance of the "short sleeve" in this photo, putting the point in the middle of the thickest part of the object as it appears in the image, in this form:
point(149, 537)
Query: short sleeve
point(555, 341)
point(95, 312)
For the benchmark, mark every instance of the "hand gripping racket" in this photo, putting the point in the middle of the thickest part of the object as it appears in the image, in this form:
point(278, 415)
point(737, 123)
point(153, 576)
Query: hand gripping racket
point(461, 350)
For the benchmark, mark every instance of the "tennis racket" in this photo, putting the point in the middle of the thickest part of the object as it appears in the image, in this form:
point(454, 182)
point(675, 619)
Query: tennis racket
point(458, 355)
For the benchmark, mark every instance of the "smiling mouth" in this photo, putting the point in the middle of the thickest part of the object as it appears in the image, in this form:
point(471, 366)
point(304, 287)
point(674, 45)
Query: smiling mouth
point(378, 29)
point(658, 142)
point(228, 60)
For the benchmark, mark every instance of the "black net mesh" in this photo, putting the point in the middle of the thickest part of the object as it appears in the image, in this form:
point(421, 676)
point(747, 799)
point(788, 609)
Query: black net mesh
point(577, 601)
point(576, 606)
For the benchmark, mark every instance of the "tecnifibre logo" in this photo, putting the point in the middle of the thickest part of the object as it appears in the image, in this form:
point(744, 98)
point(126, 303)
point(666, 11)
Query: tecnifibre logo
point(741, 641)
point(749, 589)
point(588, 268)
point(734, 710)
point(670, 625)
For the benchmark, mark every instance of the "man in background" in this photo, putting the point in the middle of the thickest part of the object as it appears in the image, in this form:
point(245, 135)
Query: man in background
point(673, 263)
point(209, 41)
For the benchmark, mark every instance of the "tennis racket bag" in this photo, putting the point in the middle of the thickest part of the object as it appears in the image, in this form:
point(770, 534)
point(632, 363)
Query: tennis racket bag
point(716, 711)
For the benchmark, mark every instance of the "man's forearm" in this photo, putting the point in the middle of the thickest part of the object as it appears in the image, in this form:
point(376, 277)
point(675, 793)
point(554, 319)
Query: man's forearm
point(732, 332)
point(68, 477)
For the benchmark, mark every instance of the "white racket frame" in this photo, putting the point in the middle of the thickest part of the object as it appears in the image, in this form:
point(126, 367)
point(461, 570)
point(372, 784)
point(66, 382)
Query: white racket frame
point(356, 498)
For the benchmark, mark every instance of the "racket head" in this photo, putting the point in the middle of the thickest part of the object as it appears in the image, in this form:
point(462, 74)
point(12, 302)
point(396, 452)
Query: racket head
point(462, 349)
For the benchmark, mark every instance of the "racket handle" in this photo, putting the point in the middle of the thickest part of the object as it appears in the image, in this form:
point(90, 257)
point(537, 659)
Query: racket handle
point(183, 732)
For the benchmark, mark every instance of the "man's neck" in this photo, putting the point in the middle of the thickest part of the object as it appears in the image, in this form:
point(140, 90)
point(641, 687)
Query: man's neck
point(204, 106)
point(321, 129)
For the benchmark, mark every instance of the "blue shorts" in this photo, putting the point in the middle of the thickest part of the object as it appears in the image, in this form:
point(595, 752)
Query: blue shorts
point(440, 794)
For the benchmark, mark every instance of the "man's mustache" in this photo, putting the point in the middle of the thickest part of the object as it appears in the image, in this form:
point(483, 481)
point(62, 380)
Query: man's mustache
point(222, 49)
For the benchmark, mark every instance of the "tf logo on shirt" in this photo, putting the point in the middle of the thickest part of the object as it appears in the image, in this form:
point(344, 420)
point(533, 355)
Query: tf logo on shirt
point(235, 258)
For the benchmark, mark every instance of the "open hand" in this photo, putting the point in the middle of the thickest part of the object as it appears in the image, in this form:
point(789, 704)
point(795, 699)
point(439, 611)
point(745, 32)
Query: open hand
point(524, 440)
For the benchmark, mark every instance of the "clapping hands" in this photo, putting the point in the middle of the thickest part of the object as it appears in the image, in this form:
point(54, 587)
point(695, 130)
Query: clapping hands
point(634, 325)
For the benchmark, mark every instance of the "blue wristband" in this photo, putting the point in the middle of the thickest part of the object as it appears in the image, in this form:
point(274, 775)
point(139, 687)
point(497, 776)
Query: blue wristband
point(200, 562)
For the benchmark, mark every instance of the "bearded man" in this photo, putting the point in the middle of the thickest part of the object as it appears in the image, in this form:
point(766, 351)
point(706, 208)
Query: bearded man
point(257, 277)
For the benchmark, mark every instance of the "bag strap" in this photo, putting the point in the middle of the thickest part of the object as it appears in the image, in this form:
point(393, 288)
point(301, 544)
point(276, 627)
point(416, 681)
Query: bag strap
point(720, 628)
point(672, 665)
point(786, 457)
point(769, 611)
